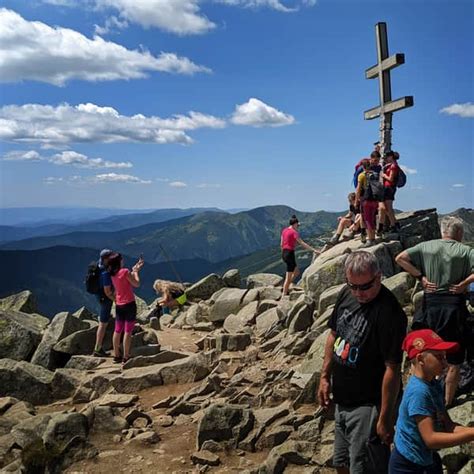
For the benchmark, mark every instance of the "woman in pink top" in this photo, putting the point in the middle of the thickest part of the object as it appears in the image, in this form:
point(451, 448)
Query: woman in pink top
point(289, 238)
point(124, 281)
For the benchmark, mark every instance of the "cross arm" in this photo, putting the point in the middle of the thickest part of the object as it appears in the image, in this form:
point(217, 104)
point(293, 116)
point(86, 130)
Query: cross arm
point(387, 64)
point(389, 107)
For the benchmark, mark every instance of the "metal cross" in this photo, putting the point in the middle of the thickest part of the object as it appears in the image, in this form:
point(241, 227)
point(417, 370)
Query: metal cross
point(382, 71)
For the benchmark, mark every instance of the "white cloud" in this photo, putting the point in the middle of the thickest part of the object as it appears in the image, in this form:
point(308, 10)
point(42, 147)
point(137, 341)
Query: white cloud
point(111, 24)
point(279, 5)
point(408, 170)
point(258, 114)
point(458, 185)
point(86, 123)
point(65, 158)
point(182, 17)
point(463, 110)
point(178, 184)
point(105, 178)
point(32, 50)
point(209, 186)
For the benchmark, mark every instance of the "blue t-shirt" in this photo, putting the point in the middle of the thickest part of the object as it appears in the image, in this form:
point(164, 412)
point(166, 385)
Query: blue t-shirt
point(420, 399)
point(105, 278)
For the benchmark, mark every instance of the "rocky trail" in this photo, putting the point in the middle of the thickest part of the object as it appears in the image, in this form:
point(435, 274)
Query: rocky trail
point(227, 385)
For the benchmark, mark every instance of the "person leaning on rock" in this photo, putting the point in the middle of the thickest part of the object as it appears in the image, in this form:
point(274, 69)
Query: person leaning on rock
point(445, 268)
point(361, 367)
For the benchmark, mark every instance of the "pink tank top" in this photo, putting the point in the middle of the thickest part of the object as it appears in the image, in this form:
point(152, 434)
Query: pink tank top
point(289, 236)
point(123, 288)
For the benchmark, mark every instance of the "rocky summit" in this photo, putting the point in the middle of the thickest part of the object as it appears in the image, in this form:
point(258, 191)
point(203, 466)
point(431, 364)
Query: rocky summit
point(227, 383)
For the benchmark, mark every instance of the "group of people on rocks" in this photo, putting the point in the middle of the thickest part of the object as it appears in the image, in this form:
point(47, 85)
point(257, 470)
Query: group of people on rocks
point(363, 359)
point(372, 200)
point(117, 285)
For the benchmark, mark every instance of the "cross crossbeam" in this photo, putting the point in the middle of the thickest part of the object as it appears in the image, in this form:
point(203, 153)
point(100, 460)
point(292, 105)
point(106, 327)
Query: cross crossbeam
point(381, 71)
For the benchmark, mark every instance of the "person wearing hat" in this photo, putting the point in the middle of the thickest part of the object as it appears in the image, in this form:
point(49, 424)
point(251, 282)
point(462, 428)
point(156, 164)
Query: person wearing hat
point(289, 238)
point(423, 424)
point(106, 299)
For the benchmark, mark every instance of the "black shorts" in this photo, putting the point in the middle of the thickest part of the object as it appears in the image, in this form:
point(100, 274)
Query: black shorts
point(389, 193)
point(288, 256)
point(126, 312)
point(447, 316)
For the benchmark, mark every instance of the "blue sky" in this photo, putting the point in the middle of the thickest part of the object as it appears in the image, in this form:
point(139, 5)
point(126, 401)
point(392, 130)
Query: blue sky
point(228, 103)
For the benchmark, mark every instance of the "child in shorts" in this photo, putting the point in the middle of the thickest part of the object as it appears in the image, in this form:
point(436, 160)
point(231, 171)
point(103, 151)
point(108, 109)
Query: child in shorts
point(423, 424)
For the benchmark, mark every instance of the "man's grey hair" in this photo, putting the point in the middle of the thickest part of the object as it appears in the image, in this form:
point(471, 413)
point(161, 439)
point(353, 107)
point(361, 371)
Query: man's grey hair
point(451, 227)
point(361, 262)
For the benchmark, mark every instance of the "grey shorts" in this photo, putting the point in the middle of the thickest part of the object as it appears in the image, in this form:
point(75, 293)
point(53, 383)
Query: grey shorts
point(355, 426)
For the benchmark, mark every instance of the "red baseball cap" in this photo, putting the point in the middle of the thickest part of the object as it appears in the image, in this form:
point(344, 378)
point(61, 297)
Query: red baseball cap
point(422, 340)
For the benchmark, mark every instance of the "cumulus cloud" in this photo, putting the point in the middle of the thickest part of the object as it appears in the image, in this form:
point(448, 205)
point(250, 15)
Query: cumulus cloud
point(178, 184)
point(86, 123)
point(111, 24)
point(256, 113)
point(65, 158)
point(408, 170)
point(104, 178)
point(182, 17)
point(32, 50)
point(462, 110)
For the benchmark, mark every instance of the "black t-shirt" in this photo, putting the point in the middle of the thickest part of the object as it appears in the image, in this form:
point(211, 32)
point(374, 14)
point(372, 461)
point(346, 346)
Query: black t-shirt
point(367, 336)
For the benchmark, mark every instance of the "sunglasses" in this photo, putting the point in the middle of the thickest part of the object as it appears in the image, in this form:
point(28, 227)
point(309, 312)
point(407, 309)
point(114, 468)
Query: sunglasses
point(363, 287)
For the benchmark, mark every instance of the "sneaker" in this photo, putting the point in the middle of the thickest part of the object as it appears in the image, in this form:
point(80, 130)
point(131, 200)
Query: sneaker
point(363, 238)
point(368, 244)
point(117, 360)
point(100, 353)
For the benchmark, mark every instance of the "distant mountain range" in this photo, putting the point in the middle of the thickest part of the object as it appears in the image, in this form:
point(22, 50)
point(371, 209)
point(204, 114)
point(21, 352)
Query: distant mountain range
point(211, 236)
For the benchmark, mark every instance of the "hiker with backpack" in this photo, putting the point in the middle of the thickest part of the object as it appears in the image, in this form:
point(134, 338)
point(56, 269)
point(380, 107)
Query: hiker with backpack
point(124, 282)
point(99, 283)
point(390, 175)
point(368, 194)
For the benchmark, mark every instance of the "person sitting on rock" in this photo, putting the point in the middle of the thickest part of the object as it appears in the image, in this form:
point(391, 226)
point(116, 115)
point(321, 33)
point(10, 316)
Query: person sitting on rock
point(124, 281)
point(289, 238)
point(172, 294)
point(445, 269)
point(423, 424)
point(361, 367)
point(351, 220)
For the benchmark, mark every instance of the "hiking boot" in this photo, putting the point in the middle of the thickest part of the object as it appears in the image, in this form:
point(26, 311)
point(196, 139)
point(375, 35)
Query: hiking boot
point(363, 238)
point(393, 230)
point(100, 353)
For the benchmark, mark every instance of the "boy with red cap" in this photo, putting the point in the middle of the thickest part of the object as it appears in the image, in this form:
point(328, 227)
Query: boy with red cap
point(423, 424)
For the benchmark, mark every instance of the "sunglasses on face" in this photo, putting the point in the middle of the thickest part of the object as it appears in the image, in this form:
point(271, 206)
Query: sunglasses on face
point(363, 287)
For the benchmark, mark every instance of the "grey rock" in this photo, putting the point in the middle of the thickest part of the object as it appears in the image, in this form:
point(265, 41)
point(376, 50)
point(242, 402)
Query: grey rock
point(24, 302)
point(65, 382)
point(61, 428)
point(268, 319)
point(274, 437)
point(269, 293)
point(328, 297)
point(231, 278)
point(85, 315)
point(206, 287)
point(30, 431)
point(81, 362)
point(310, 431)
point(229, 301)
point(295, 452)
point(463, 414)
point(25, 381)
point(20, 335)
point(232, 342)
point(145, 439)
point(105, 419)
point(161, 358)
point(401, 285)
point(61, 326)
point(224, 422)
point(6, 403)
point(313, 362)
point(115, 400)
point(83, 342)
point(263, 279)
point(302, 320)
point(206, 458)
point(266, 416)
point(145, 351)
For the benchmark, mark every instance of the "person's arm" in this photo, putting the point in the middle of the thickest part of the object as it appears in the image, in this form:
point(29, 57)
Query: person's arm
point(324, 390)
point(358, 191)
point(307, 246)
point(134, 278)
point(462, 286)
point(390, 388)
point(109, 292)
point(403, 260)
point(439, 440)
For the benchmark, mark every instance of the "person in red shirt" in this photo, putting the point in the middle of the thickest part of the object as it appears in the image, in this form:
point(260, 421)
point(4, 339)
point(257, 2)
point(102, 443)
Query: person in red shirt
point(389, 176)
point(289, 238)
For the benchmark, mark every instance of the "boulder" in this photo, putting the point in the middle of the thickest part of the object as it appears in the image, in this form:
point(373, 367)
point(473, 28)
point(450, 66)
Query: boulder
point(236, 323)
point(401, 286)
point(231, 278)
point(161, 358)
point(62, 325)
point(197, 313)
point(65, 382)
point(106, 419)
point(224, 422)
point(229, 301)
point(83, 362)
point(205, 458)
point(24, 302)
point(302, 319)
point(85, 315)
point(313, 362)
point(19, 335)
point(268, 319)
point(328, 297)
point(273, 437)
point(206, 287)
point(25, 381)
point(463, 414)
point(232, 342)
point(269, 293)
point(418, 226)
point(263, 279)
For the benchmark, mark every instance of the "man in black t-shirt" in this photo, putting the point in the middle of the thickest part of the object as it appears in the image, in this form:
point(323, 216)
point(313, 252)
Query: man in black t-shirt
point(362, 367)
